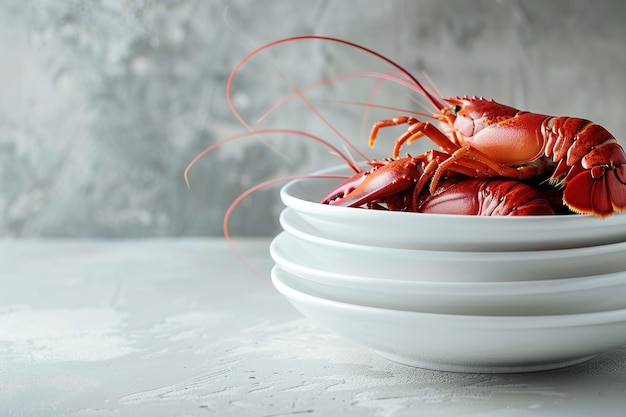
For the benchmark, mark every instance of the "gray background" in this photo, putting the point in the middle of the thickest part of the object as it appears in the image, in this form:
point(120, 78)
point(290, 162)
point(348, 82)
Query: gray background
point(103, 103)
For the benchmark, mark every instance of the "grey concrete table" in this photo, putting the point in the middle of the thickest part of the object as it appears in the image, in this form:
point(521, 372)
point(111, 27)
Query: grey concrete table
point(181, 328)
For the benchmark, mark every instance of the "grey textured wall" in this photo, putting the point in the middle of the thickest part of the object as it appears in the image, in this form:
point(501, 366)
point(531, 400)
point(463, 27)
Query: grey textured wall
point(104, 103)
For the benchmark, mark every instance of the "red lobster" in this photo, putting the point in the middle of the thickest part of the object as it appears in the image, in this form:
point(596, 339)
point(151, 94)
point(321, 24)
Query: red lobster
point(479, 139)
point(485, 139)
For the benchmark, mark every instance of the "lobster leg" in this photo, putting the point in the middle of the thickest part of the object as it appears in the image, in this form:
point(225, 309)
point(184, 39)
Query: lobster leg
point(470, 163)
point(468, 155)
point(416, 130)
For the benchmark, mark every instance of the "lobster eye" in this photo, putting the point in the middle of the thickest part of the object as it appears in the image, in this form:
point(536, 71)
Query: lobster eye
point(456, 109)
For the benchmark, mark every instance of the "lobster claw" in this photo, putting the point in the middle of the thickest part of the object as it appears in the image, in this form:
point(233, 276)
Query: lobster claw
point(386, 179)
point(345, 188)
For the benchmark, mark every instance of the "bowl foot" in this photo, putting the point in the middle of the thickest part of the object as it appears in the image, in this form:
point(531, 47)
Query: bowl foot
point(482, 367)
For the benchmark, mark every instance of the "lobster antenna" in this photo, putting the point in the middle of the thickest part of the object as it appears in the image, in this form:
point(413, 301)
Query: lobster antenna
point(349, 155)
point(241, 120)
point(251, 190)
point(287, 81)
point(370, 100)
point(209, 148)
point(382, 106)
point(374, 74)
point(421, 105)
point(434, 100)
point(432, 83)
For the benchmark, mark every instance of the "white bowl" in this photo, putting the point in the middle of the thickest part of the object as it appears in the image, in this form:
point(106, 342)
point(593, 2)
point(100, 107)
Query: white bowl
point(561, 296)
point(448, 266)
point(444, 231)
point(465, 343)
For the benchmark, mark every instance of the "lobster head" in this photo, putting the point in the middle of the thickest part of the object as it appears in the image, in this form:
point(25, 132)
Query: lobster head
point(468, 116)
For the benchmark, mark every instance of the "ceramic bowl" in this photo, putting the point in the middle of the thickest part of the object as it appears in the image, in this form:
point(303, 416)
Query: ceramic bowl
point(443, 231)
point(383, 262)
point(464, 343)
point(509, 298)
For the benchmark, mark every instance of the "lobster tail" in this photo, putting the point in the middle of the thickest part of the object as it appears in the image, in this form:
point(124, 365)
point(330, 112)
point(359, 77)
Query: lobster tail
point(512, 198)
point(597, 185)
point(485, 197)
point(599, 196)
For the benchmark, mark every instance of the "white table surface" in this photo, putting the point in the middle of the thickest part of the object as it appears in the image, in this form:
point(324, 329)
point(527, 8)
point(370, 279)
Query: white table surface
point(182, 328)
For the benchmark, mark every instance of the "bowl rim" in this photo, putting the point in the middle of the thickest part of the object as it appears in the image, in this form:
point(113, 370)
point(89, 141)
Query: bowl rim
point(526, 287)
point(436, 253)
point(459, 320)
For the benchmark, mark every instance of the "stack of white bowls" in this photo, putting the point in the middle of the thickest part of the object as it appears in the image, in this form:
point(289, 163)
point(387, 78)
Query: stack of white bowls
point(455, 293)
